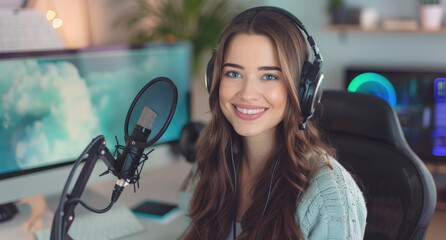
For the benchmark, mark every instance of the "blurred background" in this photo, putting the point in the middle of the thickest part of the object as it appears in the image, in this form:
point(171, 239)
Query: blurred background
point(403, 41)
point(364, 33)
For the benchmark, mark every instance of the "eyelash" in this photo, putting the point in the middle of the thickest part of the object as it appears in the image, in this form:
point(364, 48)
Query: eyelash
point(231, 73)
point(270, 75)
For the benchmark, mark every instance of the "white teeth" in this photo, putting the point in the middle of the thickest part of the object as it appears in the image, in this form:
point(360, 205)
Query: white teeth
point(250, 111)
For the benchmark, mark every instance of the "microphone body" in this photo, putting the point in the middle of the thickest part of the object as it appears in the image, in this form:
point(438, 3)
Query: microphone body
point(127, 163)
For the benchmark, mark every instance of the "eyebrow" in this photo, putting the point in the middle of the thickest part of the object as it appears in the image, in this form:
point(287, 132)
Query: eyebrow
point(270, 68)
point(267, 68)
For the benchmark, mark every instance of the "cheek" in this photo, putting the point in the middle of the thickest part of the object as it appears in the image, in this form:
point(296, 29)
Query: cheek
point(224, 97)
point(224, 93)
point(278, 97)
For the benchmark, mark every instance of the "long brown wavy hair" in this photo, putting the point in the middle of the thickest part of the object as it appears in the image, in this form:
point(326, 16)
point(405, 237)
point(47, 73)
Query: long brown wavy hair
point(212, 205)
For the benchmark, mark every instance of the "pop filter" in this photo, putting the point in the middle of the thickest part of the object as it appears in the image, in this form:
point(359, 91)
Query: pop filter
point(161, 96)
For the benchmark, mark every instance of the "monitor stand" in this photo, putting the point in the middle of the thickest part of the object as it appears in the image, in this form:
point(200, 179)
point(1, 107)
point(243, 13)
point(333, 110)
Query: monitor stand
point(7, 211)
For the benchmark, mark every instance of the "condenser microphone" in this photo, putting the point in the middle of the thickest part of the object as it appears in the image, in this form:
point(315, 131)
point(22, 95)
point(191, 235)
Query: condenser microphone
point(128, 161)
point(148, 117)
point(149, 114)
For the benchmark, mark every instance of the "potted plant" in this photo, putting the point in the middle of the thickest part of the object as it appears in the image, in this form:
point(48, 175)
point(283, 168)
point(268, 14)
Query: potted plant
point(198, 21)
point(431, 14)
point(338, 12)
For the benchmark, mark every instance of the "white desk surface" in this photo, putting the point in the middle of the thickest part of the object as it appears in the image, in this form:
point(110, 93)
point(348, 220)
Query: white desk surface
point(162, 183)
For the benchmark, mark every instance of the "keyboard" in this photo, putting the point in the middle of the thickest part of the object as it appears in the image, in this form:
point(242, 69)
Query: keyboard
point(117, 223)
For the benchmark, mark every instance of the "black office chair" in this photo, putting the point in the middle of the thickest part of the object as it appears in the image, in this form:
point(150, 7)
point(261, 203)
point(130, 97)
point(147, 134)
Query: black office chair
point(399, 190)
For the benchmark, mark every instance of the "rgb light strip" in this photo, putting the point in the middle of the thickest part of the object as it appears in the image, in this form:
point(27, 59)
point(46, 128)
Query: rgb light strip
point(375, 84)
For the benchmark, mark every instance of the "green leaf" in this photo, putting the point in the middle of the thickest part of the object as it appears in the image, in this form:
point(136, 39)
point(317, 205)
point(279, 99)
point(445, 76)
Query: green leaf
point(198, 21)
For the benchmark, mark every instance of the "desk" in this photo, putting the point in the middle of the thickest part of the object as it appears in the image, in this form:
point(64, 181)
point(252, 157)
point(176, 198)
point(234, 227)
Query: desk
point(161, 183)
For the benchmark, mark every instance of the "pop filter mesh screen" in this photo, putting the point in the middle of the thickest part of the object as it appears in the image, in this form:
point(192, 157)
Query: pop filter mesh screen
point(160, 95)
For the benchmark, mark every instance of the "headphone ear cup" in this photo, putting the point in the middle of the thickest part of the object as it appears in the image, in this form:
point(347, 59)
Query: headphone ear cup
point(303, 90)
point(310, 88)
point(210, 72)
point(188, 140)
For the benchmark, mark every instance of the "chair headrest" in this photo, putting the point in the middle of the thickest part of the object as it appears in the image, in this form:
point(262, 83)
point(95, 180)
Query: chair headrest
point(361, 115)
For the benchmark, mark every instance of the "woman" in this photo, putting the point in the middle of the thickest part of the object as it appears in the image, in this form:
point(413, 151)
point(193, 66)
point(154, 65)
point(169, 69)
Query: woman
point(257, 172)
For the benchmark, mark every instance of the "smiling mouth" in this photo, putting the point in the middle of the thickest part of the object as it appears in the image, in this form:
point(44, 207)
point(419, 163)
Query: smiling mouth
point(250, 111)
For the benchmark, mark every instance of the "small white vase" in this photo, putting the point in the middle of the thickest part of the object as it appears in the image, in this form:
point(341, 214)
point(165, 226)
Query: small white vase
point(431, 16)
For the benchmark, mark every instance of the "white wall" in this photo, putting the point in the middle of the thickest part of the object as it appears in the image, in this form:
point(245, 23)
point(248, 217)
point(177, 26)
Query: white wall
point(103, 15)
point(390, 50)
point(75, 29)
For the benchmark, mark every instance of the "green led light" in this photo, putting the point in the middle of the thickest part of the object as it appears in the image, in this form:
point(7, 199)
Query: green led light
point(375, 84)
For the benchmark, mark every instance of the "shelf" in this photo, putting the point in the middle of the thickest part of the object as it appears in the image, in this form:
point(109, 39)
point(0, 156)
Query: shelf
point(346, 28)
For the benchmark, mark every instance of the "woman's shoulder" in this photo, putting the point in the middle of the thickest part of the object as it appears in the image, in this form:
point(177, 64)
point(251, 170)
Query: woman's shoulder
point(331, 187)
point(332, 204)
point(328, 179)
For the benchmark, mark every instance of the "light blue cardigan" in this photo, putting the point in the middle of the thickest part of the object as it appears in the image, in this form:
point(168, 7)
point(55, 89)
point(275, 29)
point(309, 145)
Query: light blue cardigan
point(333, 206)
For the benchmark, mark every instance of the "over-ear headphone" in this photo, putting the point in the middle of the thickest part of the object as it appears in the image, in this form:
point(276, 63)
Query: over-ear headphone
point(188, 140)
point(310, 83)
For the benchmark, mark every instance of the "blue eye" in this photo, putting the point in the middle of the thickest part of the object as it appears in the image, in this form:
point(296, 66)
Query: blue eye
point(233, 74)
point(269, 77)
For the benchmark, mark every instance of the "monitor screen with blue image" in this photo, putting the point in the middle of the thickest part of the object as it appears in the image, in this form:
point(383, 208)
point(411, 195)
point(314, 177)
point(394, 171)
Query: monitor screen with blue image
point(54, 103)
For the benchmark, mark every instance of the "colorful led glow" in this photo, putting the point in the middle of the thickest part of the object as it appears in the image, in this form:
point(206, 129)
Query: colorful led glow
point(440, 89)
point(50, 15)
point(374, 84)
point(439, 142)
point(57, 23)
point(439, 133)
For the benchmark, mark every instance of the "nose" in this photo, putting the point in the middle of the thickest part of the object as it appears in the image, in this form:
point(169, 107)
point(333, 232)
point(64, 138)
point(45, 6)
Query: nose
point(249, 89)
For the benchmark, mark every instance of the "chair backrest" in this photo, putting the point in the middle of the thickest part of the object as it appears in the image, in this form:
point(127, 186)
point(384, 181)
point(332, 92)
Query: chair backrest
point(399, 190)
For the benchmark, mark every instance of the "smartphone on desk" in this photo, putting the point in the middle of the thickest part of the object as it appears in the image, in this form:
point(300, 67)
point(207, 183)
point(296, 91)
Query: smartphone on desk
point(155, 209)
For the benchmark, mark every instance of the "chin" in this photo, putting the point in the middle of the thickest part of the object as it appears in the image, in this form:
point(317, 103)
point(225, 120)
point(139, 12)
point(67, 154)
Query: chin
point(244, 132)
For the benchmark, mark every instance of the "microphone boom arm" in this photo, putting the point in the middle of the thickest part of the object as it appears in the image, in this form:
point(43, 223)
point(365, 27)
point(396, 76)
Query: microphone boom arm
point(96, 150)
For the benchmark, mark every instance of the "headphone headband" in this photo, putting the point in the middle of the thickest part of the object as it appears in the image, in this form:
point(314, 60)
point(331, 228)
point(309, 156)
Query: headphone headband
point(311, 42)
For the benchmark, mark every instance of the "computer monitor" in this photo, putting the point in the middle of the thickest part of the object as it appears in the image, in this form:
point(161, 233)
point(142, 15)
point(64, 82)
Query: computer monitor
point(53, 103)
point(419, 98)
